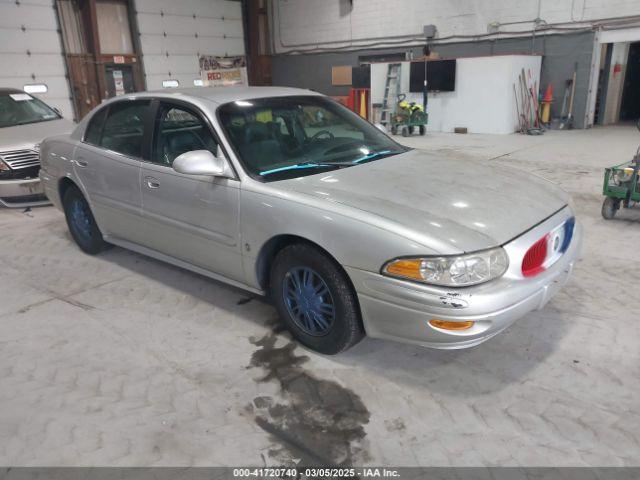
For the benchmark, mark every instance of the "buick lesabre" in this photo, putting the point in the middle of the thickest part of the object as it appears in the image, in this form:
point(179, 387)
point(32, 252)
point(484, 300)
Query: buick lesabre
point(286, 193)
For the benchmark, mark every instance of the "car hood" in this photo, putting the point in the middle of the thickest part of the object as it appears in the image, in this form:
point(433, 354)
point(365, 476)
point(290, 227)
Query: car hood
point(26, 136)
point(450, 205)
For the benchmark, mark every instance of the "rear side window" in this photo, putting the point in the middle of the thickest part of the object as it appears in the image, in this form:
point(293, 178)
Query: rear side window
point(94, 129)
point(123, 130)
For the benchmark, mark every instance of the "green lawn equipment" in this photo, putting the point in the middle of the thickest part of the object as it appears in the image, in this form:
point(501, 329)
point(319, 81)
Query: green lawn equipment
point(621, 187)
point(407, 116)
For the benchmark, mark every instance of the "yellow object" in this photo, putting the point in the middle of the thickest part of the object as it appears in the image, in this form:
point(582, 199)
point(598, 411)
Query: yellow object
point(363, 104)
point(264, 116)
point(546, 112)
point(405, 268)
point(412, 107)
point(446, 325)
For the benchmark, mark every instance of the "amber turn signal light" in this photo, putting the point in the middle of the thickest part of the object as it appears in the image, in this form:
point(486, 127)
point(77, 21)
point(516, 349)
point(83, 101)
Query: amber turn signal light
point(405, 268)
point(446, 325)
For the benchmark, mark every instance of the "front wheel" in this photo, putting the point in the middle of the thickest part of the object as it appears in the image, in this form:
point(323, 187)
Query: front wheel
point(315, 299)
point(609, 207)
point(82, 225)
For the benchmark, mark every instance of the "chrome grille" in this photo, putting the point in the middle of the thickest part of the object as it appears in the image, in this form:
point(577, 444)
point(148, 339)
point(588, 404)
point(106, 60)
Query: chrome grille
point(17, 159)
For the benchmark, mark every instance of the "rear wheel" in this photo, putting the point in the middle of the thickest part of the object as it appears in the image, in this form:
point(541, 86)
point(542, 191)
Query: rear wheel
point(82, 225)
point(315, 299)
point(609, 207)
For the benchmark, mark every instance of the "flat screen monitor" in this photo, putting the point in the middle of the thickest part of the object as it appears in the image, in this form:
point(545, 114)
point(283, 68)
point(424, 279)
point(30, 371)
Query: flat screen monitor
point(441, 76)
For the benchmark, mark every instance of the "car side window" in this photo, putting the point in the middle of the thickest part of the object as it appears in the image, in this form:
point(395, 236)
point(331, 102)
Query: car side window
point(178, 131)
point(123, 130)
point(94, 129)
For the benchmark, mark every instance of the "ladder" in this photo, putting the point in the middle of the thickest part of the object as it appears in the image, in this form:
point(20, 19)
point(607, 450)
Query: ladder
point(393, 82)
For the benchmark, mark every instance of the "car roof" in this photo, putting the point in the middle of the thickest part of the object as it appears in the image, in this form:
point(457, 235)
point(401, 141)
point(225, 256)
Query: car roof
point(222, 95)
point(7, 91)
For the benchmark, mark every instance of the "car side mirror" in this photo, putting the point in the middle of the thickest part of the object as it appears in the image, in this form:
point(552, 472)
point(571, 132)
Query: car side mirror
point(201, 162)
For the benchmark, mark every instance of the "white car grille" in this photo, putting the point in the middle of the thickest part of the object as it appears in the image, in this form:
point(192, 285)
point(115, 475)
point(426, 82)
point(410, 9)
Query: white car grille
point(17, 159)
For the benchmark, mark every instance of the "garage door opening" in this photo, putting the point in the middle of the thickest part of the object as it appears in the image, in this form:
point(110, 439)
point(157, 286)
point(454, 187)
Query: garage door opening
point(630, 105)
point(618, 99)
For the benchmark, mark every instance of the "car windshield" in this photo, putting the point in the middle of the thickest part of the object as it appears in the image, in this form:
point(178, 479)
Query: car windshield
point(288, 137)
point(20, 108)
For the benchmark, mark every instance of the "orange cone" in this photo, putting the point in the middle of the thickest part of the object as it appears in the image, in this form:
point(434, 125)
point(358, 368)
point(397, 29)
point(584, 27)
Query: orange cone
point(546, 104)
point(363, 104)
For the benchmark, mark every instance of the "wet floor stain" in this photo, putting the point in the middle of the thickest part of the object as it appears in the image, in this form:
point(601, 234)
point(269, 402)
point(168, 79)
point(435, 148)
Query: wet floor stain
point(317, 421)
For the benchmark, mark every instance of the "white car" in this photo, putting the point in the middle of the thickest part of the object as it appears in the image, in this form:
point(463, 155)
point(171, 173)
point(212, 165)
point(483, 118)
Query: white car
point(24, 122)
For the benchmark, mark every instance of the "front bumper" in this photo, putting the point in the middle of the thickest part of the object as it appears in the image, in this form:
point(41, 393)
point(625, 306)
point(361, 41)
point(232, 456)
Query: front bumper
point(22, 193)
point(400, 310)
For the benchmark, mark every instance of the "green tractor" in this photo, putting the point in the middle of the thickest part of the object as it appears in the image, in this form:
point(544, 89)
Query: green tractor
point(407, 116)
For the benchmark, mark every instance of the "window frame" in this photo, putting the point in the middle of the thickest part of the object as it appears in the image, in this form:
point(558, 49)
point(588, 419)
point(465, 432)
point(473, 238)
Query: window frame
point(145, 125)
point(156, 111)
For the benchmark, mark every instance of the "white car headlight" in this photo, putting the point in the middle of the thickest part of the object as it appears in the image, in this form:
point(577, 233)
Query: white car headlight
point(451, 271)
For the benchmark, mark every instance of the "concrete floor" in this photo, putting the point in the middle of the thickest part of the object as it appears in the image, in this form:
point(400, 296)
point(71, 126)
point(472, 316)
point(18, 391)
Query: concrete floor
point(123, 360)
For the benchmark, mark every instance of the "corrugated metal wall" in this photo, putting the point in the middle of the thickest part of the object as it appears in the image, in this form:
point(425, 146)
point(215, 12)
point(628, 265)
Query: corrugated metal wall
point(174, 33)
point(31, 51)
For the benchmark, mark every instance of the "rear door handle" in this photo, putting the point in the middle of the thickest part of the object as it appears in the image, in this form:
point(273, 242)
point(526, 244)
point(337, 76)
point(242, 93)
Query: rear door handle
point(81, 163)
point(152, 182)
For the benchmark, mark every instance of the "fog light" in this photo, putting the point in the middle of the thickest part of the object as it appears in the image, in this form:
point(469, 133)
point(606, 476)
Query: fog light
point(446, 325)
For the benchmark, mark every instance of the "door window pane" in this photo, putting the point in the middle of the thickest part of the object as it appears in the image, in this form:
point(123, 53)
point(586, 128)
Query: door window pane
point(180, 131)
point(123, 130)
point(114, 32)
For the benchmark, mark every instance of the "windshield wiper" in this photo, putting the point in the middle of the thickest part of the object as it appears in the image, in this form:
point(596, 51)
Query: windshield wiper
point(300, 166)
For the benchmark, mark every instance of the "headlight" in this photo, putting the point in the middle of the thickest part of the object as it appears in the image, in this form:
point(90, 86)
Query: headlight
point(451, 271)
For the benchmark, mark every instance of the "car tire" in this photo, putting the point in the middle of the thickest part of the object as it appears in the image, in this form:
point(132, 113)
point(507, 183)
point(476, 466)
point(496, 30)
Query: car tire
point(610, 206)
point(327, 284)
point(81, 223)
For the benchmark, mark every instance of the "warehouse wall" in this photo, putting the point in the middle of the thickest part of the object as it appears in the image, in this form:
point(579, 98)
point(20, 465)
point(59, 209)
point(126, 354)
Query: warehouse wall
point(174, 33)
point(560, 54)
point(31, 50)
point(314, 24)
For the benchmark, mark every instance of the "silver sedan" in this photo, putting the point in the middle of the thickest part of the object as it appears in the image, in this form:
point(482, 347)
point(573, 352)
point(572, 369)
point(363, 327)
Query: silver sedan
point(284, 192)
point(24, 122)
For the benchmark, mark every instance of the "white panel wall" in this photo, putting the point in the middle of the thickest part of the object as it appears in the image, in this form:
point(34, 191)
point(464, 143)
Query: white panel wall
point(309, 24)
point(31, 50)
point(173, 33)
point(483, 100)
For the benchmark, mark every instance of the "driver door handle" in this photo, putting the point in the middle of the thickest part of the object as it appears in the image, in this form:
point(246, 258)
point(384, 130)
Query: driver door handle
point(81, 163)
point(152, 183)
